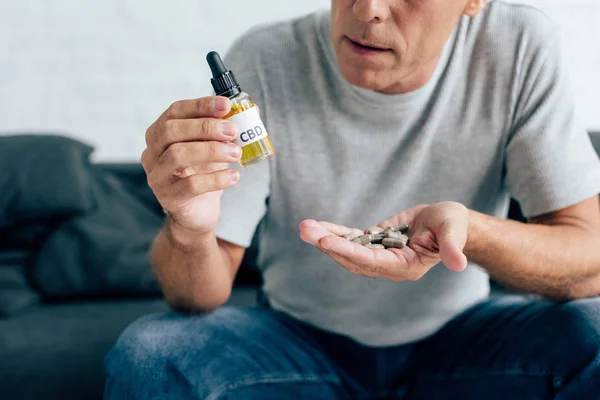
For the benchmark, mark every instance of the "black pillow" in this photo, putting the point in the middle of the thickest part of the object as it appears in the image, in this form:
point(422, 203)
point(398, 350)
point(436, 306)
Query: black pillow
point(41, 177)
point(103, 252)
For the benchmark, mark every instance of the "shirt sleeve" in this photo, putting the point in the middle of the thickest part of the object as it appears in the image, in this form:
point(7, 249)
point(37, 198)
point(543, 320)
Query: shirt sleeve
point(550, 161)
point(244, 205)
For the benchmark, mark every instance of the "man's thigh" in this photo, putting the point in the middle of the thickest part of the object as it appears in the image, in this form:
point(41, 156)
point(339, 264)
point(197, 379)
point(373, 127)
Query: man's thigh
point(511, 347)
point(230, 353)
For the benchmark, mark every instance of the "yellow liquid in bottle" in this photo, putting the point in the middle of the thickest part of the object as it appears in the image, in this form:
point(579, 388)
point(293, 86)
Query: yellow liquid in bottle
point(259, 150)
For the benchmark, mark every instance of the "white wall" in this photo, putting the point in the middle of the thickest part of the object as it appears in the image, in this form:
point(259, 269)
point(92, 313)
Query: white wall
point(580, 29)
point(104, 70)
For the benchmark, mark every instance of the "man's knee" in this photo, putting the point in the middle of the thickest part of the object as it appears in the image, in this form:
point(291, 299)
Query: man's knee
point(145, 345)
point(161, 349)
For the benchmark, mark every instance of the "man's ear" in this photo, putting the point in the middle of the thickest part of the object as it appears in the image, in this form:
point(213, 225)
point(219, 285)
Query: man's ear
point(474, 7)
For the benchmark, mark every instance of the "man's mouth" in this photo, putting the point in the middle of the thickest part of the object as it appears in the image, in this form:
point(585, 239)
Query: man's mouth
point(365, 48)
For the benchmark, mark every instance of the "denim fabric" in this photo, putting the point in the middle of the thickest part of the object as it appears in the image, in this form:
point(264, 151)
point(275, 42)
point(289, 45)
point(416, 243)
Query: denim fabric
point(508, 347)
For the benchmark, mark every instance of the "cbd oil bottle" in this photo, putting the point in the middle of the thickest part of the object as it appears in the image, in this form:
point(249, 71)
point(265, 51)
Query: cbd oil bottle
point(252, 137)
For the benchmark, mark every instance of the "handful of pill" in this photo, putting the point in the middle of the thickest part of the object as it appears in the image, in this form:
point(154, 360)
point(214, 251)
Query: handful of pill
point(380, 238)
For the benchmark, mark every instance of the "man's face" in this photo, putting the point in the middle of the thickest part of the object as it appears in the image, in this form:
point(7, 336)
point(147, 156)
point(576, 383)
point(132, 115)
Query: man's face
point(384, 45)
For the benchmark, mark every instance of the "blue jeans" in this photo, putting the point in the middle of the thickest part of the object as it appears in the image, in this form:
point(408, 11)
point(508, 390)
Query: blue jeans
point(505, 348)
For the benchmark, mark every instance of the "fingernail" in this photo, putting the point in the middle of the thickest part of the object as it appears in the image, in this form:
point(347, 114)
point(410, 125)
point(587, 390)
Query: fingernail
point(234, 176)
point(228, 128)
point(234, 150)
point(189, 171)
point(219, 104)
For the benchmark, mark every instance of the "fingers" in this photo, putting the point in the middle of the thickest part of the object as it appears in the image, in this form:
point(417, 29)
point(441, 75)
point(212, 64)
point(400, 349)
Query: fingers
point(311, 232)
point(358, 253)
point(194, 185)
point(453, 258)
point(339, 230)
point(188, 151)
point(394, 264)
point(369, 262)
point(192, 130)
point(203, 168)
point(328, 227)
point(181, 156)
point(188, 121)
point(404, 217)
point(212, 106)
point(326, 237)
point(452, 237)
point(352, 256)
point(306, 223)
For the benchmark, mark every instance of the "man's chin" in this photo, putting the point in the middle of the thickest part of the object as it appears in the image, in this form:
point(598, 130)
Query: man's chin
point(364, 79)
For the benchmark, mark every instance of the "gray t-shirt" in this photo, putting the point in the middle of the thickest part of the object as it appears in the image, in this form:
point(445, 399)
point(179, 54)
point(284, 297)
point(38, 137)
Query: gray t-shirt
point(495, 120)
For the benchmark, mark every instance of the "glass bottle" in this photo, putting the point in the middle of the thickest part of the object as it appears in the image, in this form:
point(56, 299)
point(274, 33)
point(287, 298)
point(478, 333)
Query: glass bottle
point(252, 137)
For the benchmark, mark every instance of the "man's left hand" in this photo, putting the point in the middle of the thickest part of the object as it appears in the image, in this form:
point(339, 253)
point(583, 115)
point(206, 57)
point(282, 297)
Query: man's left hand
point(437, 233)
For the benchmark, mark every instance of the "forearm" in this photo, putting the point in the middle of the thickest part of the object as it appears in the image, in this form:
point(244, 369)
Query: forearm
point(194, 272)
point(560, 261)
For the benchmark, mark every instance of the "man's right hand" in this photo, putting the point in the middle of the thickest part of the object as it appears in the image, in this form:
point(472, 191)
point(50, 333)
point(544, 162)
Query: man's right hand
point(186, 161)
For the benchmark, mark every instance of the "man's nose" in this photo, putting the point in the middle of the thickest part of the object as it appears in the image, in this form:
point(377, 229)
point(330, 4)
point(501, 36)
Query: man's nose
point(371, 10)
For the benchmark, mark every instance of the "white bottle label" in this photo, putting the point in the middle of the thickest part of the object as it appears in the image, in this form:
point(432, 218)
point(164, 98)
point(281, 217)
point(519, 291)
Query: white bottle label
point(250, 127)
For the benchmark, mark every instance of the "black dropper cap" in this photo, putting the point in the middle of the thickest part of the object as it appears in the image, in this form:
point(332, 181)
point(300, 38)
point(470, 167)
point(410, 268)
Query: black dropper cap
point(223, 80)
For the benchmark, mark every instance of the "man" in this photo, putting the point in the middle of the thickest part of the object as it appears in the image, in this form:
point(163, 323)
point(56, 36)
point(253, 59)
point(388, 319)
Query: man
point(426, 112)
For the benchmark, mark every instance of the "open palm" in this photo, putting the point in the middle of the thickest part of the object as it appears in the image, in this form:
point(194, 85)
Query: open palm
point(437, 233)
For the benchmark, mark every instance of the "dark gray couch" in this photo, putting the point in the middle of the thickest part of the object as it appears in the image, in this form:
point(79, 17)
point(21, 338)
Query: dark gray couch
point(55, 351)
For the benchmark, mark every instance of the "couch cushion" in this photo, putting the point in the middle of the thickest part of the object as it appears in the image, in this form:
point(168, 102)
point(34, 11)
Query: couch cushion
point(56, 351)
point(15, 293)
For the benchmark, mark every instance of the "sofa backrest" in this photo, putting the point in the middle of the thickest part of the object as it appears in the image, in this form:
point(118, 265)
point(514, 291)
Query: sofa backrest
point(595, 136)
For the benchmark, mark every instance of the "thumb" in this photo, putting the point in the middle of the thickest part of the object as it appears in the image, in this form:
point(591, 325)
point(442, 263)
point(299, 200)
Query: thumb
point(452, 237)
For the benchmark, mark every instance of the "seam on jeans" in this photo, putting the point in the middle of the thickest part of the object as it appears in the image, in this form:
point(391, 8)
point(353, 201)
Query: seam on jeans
point(251, 381)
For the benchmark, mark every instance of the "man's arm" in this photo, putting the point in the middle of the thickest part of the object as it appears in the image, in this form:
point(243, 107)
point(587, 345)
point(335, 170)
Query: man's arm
point(196, 272)
point(556, 255)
